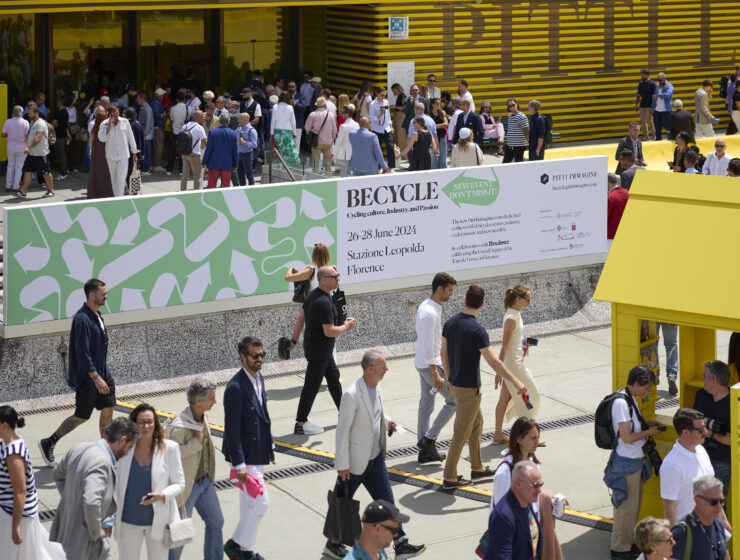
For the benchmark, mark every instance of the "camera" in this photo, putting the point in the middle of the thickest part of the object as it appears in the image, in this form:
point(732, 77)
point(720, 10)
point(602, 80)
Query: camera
point(715, 426)
point(652, 454)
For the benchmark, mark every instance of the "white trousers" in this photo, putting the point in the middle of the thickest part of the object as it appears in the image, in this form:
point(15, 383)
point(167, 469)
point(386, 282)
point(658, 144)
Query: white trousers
point(736, 120)
point(118, 169)
point(298, 133)
point(704, 130)
point(131, 539)
point(14, 173)
point(251, 512)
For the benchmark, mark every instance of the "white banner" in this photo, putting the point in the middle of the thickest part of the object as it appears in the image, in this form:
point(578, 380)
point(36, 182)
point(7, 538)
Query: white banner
point(406, 224)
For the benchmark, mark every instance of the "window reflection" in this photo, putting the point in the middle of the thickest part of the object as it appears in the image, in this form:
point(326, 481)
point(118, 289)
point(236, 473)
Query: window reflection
point(17, 62)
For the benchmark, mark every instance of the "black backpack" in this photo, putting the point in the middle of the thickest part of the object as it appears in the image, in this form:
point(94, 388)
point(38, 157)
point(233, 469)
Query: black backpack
point(603, 428)
point(184, 142)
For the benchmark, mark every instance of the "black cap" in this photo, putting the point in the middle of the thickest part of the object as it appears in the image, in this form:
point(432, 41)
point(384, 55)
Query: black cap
point(382, 510)
point(246, 90)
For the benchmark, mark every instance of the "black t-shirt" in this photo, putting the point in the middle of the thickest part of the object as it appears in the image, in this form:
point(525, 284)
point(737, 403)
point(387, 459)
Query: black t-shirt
point(465, 339)
point(319, 310)
point(62, 118)
point(720, 411)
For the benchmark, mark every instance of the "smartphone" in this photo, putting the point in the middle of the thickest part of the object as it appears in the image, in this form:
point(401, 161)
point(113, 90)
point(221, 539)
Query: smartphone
point(532, 341)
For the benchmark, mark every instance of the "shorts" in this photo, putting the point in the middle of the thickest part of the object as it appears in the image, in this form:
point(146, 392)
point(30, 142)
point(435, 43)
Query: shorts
point(36, 164)
point(87, 398)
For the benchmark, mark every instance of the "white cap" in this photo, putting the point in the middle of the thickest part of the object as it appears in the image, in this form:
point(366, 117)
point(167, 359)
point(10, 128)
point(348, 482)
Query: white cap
point(464, 133)
point(315, 79)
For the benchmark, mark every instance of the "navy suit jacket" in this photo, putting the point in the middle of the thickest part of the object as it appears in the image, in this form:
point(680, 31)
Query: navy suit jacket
point(366, 153)
point(221, 152)
point(473, 122)
point(508, 529)
point(88, 348)
point(247, 436)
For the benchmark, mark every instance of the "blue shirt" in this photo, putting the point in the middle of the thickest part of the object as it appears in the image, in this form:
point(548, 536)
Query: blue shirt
point(249, 135)
point(139, 485)
point(704, 543)
point(158, 113)
point(431, 125)
point(358, 553)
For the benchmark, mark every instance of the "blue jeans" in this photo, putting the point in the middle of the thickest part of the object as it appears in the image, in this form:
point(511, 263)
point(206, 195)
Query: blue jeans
point(244, 169)
point(662, 120)
point(146, 164)
point(670, 343)
point(376, 482)
point(440, 162)
point(86, 158)
point(203, 497)
point(722, 472)
point(426, 405)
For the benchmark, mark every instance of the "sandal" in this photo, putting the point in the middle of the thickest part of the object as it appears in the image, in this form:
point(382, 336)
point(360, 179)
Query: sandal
point(500, 440)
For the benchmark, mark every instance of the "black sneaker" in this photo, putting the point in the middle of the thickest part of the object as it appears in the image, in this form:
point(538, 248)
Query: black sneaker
point(249, 555)
point(407, 550)
point(459, 482)
point(47, 452)
point(335, 550)
point(233, 551)
point(424, 457)
point(672, 387)
point(430, 451)
point(20, 194)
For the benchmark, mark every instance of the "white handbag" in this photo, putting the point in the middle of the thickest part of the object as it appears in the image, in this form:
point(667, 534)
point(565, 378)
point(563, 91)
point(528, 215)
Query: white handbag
point(178, 532)
point(134, 182)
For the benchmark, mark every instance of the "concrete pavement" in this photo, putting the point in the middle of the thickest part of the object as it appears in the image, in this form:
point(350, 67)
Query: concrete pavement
point(573, 372)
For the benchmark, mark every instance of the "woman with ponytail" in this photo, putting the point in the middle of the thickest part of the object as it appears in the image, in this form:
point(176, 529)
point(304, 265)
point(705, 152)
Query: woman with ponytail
point(22, 537)
point(512, 354)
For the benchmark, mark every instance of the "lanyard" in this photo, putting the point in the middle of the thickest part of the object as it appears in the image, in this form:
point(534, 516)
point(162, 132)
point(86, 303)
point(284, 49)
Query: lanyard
point(715, 551)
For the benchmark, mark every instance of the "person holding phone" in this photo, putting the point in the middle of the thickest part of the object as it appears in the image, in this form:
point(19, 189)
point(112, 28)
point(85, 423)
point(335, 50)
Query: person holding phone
point(149, 478)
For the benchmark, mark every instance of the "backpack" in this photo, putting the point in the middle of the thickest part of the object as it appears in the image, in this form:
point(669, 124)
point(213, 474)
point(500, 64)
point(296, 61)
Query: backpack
point(603, 428)
point(51, 133)
point(184, 142)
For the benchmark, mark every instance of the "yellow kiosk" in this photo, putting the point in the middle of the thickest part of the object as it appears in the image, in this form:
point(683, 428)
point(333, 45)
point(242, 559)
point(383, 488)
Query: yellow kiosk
point(674, 260)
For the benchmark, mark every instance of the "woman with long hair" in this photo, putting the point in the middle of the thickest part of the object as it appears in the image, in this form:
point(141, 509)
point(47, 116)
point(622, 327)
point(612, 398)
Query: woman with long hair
point(21, 532)
point(654, 539)
point(320, 257)
point(733, 358)
point(342, 102)
point(398, 116)
point(150, 476)
point(512, 354)
point(441, 121)
point(524, 438)
point(682, 145)
point(98, 181)
point(364, 99)
point(466, 153)
point(420, 143)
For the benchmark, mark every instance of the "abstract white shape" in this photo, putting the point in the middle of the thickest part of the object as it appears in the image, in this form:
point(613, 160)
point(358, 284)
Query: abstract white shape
point(127, 229)
point(285, 212)
point(93, 226)
point(210, 239)
point(162, 290)
point(137, 259)
point(131, 299)
point(258, 237)
point(226, 293)
point(313, 206)
point(32, 258)
point(79, 265)
point(238, 204)
point(75, 300)
point(57, 217)
point(318, 234)
point(36, 291)
point(242, 268)
point(197, 284)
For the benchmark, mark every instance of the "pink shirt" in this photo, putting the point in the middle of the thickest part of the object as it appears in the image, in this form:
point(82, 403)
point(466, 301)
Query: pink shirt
point(315, 121)
point(17, 131)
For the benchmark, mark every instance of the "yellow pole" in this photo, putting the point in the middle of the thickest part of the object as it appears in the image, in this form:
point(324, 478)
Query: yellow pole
point(735, 463)
point(3, 118)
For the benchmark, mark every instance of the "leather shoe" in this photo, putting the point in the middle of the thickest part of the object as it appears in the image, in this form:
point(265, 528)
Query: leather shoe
point(485, 473)
point(430, 450)
point(456, 484)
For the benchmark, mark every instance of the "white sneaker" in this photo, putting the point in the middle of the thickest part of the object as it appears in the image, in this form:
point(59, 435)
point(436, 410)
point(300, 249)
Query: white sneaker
point(308, 429)
point(60, 178)
point(169, 173)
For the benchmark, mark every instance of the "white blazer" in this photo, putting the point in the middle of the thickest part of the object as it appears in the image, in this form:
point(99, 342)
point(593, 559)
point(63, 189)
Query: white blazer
point(355, 430)
point(167, 477)
point(342, 147)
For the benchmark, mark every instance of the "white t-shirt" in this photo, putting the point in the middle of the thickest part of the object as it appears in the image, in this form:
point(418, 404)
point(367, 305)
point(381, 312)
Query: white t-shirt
point(198, 134)
point(621, 413)
point(428, 334)
point(680, 469)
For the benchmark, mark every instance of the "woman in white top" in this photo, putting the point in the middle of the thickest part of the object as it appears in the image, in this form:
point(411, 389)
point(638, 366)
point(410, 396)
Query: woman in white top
point(364, 99)
point(653, 537)
point(149, 478)
point(524, 438)
point(342, 152)
point(466, 153)
point(282, 128)
point(21, 533)
point(512, 354)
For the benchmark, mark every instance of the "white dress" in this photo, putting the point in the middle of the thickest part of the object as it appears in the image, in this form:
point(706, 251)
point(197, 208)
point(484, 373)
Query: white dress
point(514, 361)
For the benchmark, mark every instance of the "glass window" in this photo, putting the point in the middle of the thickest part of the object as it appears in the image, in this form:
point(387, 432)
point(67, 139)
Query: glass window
point(17, 60)
point(172, 27)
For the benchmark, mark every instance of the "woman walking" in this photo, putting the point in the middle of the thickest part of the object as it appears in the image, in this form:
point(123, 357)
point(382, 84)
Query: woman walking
point(654, 539)
point(21, 533)
point(441, 121)
point(512, 354)
point(149, 478)
point(98, 181)
point(283, 130)
point(420, 144)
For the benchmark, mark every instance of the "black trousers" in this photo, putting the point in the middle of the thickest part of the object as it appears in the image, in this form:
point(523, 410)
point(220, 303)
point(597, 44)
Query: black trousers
point(513, 153)
point(387, 137)
point(317, 370)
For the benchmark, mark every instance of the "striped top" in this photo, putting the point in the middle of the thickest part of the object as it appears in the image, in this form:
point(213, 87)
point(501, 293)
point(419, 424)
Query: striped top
point(6, 489)
point(515, 133)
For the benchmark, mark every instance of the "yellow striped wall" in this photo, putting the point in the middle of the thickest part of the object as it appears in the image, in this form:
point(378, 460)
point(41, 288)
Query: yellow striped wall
point(581, 59)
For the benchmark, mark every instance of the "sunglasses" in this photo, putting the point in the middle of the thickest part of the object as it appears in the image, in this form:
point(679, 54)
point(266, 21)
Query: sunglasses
point(392, 530)
point(712, 501)
point(257, 355)
point(719, 145)
point(699, 429)
point(511, 105)
point(332, 276)
point(536, 484)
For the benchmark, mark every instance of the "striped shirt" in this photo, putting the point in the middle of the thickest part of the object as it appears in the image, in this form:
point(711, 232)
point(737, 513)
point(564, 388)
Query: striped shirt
point(6, 489)
point(516, 126)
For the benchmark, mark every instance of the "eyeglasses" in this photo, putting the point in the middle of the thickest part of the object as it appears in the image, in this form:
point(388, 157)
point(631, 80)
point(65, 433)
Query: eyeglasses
point(719, 145)
point(257, 355)
point(145, 423)
point(382, 366)
point(392, 530)
point(511, 105)
point(714, 502)
point(669, 539)
point(536, 485)
point(332, 276)
point(432, 79)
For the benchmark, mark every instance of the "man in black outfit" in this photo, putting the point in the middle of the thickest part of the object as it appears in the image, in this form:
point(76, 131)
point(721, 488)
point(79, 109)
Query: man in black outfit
point(88, 372)
point(320, 317)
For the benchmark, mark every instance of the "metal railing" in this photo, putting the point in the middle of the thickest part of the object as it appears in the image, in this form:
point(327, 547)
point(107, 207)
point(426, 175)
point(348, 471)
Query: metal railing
point(274, 150)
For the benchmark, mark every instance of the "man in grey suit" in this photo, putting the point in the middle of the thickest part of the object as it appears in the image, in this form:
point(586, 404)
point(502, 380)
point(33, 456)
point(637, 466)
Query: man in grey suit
point(367, 157)
point(85, 478)
point(361, 444)
point(702, 114)
point(631, 143)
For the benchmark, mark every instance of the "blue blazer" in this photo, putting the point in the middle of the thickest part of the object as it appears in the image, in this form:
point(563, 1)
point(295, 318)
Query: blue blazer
point(88, 348)
point(366, 153)
point(221, 150)
point(473, 122)
point(247, 436)
point(508, 530)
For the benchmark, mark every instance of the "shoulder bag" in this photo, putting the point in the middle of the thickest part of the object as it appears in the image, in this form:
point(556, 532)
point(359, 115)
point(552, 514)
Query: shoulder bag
point(178, 532)
point(313, 137)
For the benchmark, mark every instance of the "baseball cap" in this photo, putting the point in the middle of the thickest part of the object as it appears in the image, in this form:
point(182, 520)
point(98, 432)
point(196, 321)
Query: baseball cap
point(382, 510)
point(159, 91)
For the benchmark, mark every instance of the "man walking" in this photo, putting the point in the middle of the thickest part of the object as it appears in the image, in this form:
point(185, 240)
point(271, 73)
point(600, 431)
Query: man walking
point(158, 139)
point(88, 372)
point(646, 88)
point(662, 107)
point(247, 445)
point(179, 114)
point(85, 478)
point(702, 115)
point(464, 340)
point(146, 119)
point(702, 531)
point(381, 521)
point(380, 121)
point(632, 143)
point(119, 141)
point(362, 428)
point(468, 119)
point(322, 123)
point(221, 153)
point(367, 157)
point(190, 429)
point(247, 143)
point(681, 121)
point(193, 160)
point(320, 316)
point(37, 154)
point(428, 363)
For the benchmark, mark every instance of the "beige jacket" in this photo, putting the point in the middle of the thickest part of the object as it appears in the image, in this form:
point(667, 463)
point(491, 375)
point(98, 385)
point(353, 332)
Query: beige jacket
point(182, 429)
point(702, 115)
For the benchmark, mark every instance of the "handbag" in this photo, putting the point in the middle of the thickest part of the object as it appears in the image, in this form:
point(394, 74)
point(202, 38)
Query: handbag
point(342, 523)
point(313, 137)
point(179, 532)
point(300, 291)
point(134, 182)
point(340, 302)
point(82, 136)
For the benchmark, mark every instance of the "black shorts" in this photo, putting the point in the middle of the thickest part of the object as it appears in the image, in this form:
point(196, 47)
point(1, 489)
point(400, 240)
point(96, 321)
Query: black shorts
point(36, 164)
point(87, 398)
